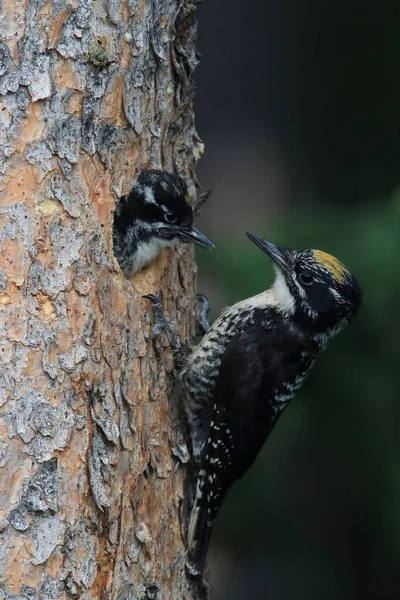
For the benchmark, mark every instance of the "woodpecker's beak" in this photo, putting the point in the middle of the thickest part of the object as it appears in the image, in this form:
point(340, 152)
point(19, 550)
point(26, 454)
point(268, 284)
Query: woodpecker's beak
point(276, 254)
point(191, 234)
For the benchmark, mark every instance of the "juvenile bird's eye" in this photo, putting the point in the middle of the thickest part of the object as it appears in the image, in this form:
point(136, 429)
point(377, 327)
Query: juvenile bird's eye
point(306, 278)
point(170, 217)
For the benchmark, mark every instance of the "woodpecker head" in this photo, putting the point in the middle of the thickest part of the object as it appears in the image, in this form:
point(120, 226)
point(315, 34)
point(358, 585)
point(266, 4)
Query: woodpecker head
point(159, 203)
point(320, 290)
point(156, 213)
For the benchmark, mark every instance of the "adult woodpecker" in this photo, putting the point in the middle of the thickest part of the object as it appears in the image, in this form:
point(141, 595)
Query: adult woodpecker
point(250, 364)
point(156, 213)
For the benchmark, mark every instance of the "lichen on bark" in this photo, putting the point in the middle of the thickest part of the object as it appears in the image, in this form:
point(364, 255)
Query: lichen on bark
point(91, 455)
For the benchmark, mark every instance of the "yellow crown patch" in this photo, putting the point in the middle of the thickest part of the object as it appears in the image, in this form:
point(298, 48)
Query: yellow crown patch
point(333, 265)
point(187, 199)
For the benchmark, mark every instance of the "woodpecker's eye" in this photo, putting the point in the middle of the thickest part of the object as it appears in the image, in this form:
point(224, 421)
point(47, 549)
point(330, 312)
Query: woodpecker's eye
point(306, 278)
point(170, 217)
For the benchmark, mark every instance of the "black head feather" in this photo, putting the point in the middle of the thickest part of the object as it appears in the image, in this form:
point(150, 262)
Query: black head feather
point(156, 213)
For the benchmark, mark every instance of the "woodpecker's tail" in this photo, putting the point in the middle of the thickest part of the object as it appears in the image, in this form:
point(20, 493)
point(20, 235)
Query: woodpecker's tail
point(200, 527)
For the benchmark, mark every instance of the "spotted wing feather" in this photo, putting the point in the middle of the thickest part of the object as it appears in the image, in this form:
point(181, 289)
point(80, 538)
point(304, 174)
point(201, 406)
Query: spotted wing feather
point(256, 380)
point(239, 404)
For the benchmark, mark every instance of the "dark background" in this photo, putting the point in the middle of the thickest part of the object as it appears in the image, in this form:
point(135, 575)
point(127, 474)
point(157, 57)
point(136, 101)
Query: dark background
point(298, 103)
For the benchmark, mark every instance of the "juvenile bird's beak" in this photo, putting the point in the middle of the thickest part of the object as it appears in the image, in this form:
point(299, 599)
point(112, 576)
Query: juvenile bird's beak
point(277, 255)
point(191, 234)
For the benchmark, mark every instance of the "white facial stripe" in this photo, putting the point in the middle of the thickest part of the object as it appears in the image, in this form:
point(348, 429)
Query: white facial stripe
point(303, 295)
point(336, 295)
point(144, 225)
point(282, 293)
point(162, 225)
point(302, 291)
point(149, 195)
point(151, 227)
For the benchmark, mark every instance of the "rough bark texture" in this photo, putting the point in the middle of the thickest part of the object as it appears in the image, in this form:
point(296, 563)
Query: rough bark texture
point(91, 457)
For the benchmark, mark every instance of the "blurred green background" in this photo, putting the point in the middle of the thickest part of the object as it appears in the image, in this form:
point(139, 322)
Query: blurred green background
point(299, 107)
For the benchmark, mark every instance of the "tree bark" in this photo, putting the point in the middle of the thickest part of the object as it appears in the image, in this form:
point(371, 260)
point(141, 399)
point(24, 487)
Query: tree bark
point(92, 460)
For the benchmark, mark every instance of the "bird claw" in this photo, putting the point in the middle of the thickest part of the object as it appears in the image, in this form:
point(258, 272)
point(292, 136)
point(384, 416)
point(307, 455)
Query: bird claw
point(153, 299)
point(203, 311)
point(192, 569)
point(155, 332)
point(161, 325)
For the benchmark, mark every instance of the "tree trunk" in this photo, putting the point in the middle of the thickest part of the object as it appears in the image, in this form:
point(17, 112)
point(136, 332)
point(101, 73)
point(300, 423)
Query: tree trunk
point(91, 456)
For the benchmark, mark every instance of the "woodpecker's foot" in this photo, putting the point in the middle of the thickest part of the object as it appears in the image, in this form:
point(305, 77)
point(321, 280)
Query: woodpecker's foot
point(161, 324)
point(192, 569)
point(203, 312)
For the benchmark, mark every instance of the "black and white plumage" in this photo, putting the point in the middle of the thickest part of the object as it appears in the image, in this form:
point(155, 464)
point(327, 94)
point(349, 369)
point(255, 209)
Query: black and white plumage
point(155, 214)
point(250, 364)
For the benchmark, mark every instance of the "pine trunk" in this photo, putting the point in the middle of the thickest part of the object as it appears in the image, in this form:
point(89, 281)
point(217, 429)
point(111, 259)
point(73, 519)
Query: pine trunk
point(92, 461)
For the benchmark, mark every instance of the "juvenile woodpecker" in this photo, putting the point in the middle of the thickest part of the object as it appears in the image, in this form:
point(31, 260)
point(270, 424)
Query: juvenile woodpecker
point(155, 214)
point(250, 364)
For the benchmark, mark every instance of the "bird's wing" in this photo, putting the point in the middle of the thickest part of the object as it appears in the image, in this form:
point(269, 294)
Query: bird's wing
point(242, 418)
